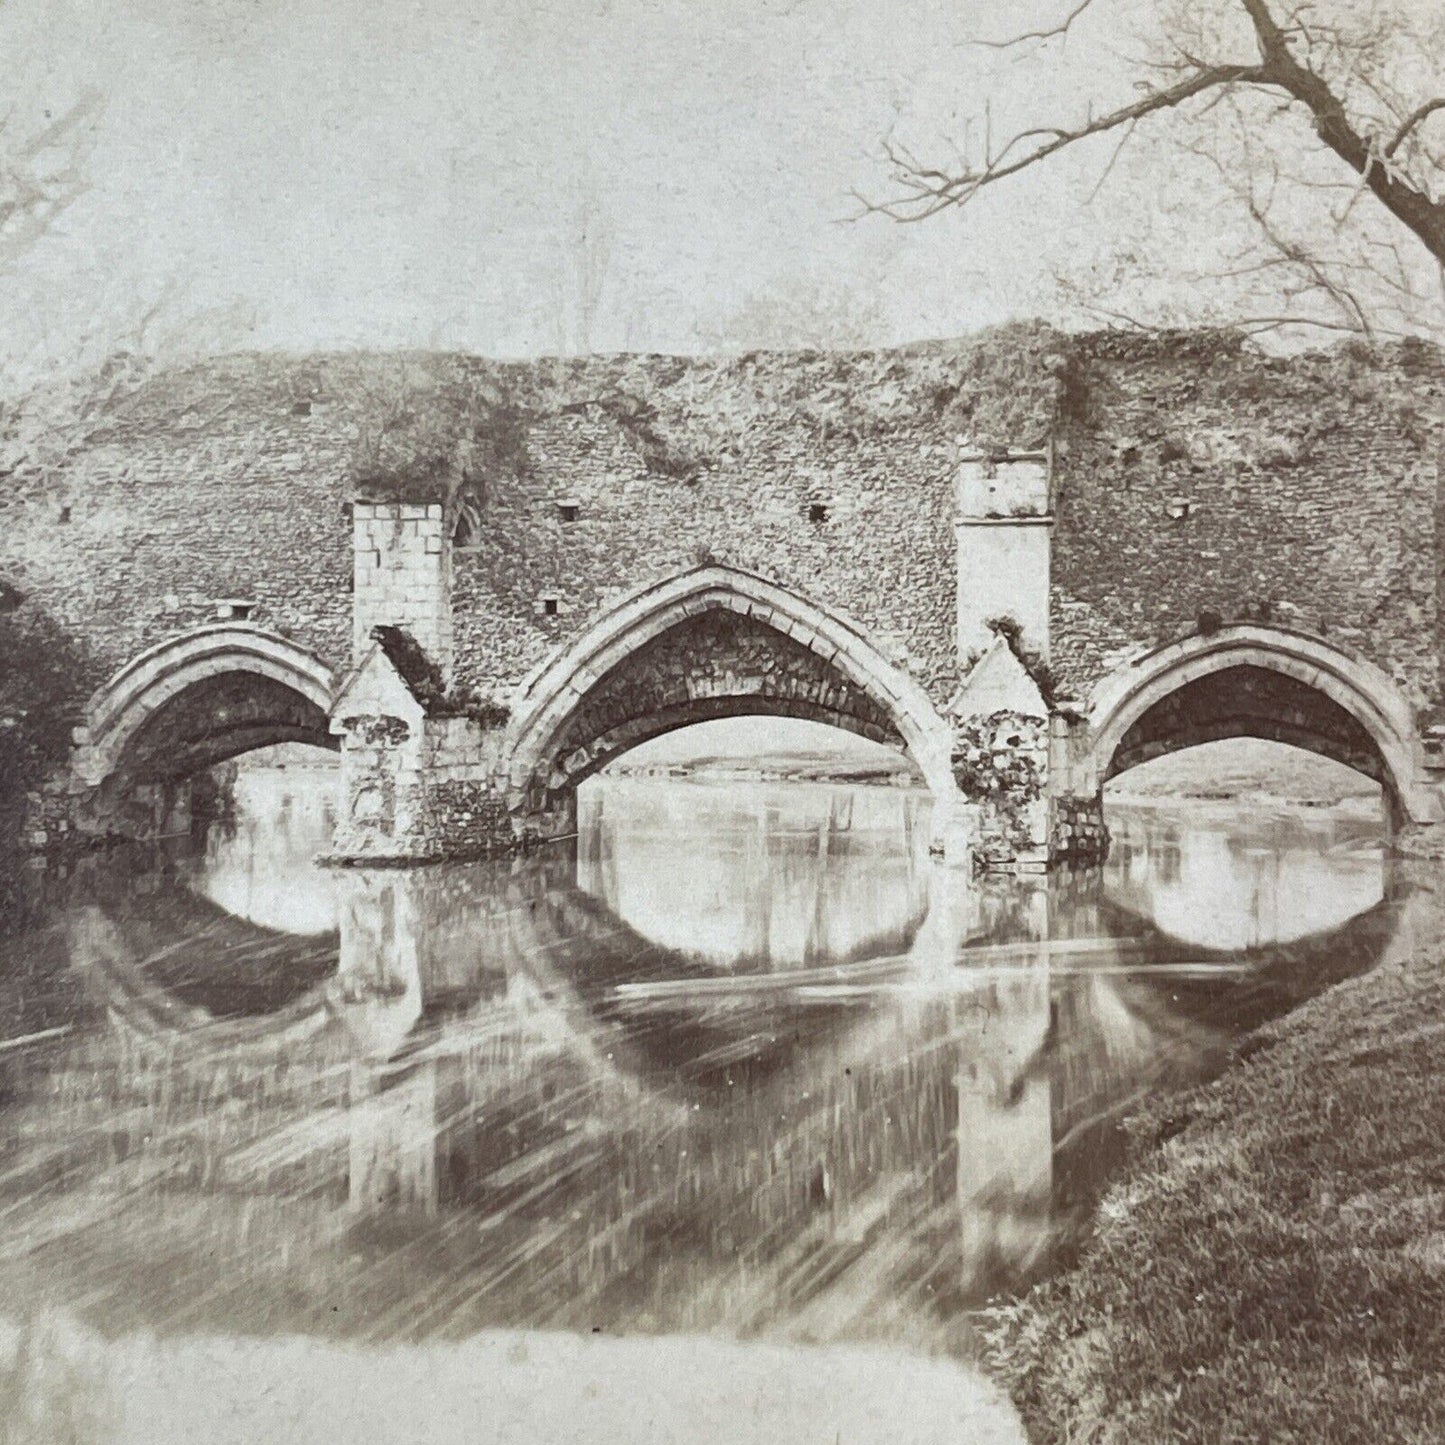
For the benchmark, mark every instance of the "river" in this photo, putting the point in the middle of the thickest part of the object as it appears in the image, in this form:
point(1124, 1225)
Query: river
point(743, 1073)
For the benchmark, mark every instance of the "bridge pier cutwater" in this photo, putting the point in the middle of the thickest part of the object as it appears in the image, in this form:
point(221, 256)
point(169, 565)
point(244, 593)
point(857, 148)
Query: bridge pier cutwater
point(1024, 624)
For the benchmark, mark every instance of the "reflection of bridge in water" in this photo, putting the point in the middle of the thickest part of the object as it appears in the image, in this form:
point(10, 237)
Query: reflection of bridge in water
point(488, 1100)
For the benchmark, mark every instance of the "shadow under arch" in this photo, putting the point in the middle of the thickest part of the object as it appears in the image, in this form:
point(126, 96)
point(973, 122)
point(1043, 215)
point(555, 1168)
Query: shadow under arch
point(709, 643)
point(1265, 682)
point(201, 698)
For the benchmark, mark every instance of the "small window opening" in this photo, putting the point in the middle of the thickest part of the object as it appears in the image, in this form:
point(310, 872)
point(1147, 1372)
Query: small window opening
point(235, 609)
point(817, 511)
point(549, 606)
point(567, 511)
point(65, 514)
point(301, 408)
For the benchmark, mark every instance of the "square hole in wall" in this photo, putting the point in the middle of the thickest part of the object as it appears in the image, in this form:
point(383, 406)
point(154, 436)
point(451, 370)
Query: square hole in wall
point(235, 609)
point(550, 606)
point(568, 511)
point(817, 511)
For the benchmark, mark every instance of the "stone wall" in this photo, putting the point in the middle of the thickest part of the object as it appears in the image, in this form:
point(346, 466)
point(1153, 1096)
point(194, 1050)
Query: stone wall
point(882, 554)
point(414, 786)
point(420, 792)
point(1003, 545)
point(206, 487)
point(1078, 833)
point(1190, 478)
point(402, 576)
point(1194, 478)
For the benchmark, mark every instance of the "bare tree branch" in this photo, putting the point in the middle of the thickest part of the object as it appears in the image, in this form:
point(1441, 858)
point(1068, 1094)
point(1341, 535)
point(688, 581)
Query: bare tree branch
point(1418, 211)
point(1052, 33)
point(1411, 121)
point(932, 190)
point(1288, 49)
point(42, 174)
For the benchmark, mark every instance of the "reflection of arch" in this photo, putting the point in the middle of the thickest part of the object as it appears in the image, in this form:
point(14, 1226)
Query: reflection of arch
point(1273, 978)
point(1281, 685)
point(754, 881)
point(851, 684)
point(114, 952)
point(282, 694)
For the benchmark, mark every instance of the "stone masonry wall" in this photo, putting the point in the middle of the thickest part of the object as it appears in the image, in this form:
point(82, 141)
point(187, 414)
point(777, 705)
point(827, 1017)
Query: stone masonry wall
point(1001, 763)
point(417, 787)
point(1190, 477)
point(881, 554)
point(402, 576)
point(1078, 835)
point(1196, 478)
point(208, 485)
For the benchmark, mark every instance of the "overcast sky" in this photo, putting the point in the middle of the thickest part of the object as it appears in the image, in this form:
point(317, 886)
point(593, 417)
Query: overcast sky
point(414, 171)
point(418, 172)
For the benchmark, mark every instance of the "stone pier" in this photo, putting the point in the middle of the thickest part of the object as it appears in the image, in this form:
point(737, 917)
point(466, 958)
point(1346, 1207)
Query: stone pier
point(1014, 742)
point(419, 757)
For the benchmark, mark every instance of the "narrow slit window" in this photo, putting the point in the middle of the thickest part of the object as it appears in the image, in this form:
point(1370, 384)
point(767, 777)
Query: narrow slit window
point(466, 530)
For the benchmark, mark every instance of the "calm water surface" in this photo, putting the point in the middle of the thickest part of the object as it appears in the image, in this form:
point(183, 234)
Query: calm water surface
point(744, 1065)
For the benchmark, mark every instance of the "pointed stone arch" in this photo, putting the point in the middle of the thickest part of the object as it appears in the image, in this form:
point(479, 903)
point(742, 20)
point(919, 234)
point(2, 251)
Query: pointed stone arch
point(294, 679)
point(1335, 705)
point(853, 685)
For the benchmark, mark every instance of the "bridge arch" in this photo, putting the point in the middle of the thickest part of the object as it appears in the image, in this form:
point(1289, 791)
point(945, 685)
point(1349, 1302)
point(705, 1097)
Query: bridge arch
point(709, 643)
point(1251, 681)
point(203, 697)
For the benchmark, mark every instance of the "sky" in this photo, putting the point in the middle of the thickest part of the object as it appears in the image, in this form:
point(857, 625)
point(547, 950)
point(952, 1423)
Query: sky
point(305, 173)
point(519, 177)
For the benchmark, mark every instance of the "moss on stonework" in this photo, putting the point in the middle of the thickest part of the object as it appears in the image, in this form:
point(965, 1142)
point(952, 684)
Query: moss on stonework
point(1001, 761)
point(424, 680)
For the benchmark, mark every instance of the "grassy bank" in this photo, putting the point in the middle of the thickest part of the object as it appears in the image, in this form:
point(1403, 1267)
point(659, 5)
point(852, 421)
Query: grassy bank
point(1271, 1267)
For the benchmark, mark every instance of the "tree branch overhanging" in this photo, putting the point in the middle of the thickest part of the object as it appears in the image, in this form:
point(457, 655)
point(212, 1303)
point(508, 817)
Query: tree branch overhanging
point(43, 173)
point(1412, 123)
point(1051, 32)
point(925, 190)
point(929, 190)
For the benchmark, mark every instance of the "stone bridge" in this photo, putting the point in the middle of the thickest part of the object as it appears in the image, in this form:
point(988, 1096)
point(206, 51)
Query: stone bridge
point(1026, 580)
